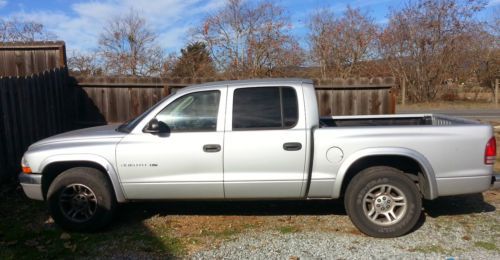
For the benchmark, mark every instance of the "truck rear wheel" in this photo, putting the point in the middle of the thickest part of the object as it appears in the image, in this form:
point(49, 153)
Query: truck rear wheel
point(383, 202)
point(81, 199)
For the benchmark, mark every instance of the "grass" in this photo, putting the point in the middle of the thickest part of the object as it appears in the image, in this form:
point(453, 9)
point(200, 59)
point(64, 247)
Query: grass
point(22, 244)
point(288, 229)
point(224, 234)
point(486, 245)
point(430, 249)
point(27, 232)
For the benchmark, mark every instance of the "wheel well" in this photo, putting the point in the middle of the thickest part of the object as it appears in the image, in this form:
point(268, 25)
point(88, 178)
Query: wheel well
point(407, 165)
point(51, 171)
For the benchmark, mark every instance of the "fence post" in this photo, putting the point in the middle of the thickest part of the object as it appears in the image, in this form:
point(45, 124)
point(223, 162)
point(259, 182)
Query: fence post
point(496, 92)
point(403, 91)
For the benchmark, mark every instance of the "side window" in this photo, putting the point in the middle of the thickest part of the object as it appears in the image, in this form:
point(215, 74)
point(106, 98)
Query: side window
point(192, 112)
point(265, 108)
point(290, 107)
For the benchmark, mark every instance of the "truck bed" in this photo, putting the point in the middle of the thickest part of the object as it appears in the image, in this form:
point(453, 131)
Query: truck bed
point(453, 148)
point(393, 120)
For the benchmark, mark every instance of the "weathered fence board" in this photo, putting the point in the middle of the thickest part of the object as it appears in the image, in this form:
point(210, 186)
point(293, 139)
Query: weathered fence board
point(356, 96)
point(26, 58)
point(31, 108)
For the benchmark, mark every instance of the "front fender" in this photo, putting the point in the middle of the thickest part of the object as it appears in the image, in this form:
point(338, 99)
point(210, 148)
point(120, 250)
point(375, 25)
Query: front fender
point(381, 151)
point(110, 170)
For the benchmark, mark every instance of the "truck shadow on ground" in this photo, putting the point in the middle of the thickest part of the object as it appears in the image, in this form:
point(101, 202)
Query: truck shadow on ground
point(143, 210)
point(445, 206)
point(457, 205)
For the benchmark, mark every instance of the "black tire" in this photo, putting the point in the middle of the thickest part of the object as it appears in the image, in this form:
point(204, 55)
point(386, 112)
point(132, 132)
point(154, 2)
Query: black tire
point(81, 199)
point(391, 215)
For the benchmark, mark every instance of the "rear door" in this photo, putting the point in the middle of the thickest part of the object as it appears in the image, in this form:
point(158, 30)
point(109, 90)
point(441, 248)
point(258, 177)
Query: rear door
point(264, 142)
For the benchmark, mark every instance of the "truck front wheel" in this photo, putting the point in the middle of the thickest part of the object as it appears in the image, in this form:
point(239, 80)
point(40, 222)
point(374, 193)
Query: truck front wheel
point(81, 199)
point(383, 202)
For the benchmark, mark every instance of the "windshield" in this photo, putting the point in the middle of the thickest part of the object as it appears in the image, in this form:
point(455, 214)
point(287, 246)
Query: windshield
point(128, 126)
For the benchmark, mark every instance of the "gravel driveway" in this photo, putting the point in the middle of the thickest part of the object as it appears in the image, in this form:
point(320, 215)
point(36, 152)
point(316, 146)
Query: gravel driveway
point(458, 227)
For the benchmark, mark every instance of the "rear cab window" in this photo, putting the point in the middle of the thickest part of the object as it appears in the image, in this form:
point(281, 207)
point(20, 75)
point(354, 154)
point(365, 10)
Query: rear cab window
point(264, 108)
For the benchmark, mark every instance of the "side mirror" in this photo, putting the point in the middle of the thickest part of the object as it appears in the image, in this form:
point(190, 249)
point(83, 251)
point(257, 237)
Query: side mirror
point(156, 127)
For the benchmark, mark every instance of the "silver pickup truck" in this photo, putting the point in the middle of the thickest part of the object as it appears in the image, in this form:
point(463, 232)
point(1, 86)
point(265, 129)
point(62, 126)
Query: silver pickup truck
point(259, 140)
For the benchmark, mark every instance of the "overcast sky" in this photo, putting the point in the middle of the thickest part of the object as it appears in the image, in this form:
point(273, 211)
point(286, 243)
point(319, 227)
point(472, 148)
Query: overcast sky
point(79, 23)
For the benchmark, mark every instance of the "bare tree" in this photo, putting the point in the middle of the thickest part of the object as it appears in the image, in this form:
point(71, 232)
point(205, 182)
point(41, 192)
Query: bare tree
point(341, 45)
point(253, 39)
point(84, 64)
point(482, 56)
point(169, 63)
point(422, 43)
point(128, 47)
point(16, 29)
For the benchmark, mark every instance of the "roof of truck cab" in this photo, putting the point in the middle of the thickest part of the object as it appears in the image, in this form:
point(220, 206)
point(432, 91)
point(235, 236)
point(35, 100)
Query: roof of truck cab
point(273, 81)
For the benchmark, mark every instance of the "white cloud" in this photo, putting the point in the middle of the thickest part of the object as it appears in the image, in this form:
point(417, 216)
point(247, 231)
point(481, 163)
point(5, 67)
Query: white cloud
point(174, 38)
point(382, 21)
point(493, 3)
point(3, 3)
point(339, 7)
point(80, 27)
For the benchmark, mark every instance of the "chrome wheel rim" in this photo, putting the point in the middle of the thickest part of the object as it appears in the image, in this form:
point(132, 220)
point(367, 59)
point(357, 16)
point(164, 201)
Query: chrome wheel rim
point(78, 202)
point(385, 205)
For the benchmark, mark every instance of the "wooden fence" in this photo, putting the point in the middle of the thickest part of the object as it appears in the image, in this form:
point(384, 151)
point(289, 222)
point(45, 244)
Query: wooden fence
point(356, 96)
point(26, 58)
point(114, 99)
point(41, 105)
point(31, 108)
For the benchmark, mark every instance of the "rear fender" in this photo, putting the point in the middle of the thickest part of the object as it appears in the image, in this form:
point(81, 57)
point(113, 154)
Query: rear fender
point(388, 151)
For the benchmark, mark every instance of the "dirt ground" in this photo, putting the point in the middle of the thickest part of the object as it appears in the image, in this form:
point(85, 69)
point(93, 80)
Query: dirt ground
point(216, 222)
point(181, 229)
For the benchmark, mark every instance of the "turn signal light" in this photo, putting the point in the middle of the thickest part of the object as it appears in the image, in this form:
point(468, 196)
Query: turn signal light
point(24, 165)
point(490, 151)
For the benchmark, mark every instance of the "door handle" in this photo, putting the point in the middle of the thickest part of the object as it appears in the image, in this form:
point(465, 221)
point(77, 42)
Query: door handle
point(292, 146)
point(211, 148)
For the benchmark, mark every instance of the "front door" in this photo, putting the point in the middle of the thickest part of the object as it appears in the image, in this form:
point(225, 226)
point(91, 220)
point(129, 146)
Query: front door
point(185, 163)
point(265, 143)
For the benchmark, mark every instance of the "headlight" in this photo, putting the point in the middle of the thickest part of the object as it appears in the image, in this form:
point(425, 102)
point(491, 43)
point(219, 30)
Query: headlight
point(24, 165)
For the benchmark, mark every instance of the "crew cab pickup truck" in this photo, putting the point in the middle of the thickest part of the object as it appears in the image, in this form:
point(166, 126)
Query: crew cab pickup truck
point(261, 140)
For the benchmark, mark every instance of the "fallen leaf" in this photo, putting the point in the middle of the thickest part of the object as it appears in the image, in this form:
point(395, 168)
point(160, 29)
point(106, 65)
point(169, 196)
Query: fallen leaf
point(31, 242)
point(11, 243)
point(70, 246)
point(65, 236)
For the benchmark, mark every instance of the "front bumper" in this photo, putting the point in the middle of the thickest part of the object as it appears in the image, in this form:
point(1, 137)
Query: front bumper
point(32, 185)
point(495, 182)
